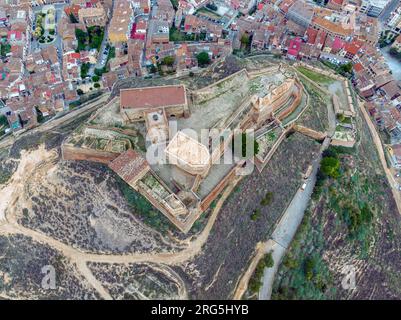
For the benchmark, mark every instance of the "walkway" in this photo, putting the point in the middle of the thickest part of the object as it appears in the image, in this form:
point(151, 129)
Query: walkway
point(288, 225)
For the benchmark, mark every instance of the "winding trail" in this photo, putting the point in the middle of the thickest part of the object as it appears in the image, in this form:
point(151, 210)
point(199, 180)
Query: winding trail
point(9, 225)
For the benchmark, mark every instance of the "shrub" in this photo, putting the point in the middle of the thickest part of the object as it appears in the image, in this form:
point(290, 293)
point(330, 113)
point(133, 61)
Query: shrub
point(255, 283)
point(255, 215)
point(168, 61)
point(330, 167)
point(309, 268)
point(267, 200)
point(268, 259)
point(290, 263)
point(203, 58)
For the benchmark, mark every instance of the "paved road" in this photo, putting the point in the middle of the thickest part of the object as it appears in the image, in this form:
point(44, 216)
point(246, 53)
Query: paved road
point(288, 225)
point(387, 11)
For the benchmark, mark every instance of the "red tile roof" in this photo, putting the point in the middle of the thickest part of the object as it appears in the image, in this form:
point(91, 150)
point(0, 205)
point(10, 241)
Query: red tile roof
point(312, 34)
point(337, 44)
point(153, 97)
point(129, 165)
point(294, 47)
point(358, 67)
point(353, 47)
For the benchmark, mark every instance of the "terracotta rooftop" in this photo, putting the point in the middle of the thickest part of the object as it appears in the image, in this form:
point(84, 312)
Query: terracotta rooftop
point(312, 34)
point(153, 97)
point(129, 165)
point(358, 67)
point(331, 26)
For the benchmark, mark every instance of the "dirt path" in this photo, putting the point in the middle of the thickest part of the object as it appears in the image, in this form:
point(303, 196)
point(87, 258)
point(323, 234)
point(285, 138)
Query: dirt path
point(85, 271)
point(379, 147)
point(243, 283)
point(9, 225)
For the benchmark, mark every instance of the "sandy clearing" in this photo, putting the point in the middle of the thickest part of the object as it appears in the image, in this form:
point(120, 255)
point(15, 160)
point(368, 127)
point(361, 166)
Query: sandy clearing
point(29, 160)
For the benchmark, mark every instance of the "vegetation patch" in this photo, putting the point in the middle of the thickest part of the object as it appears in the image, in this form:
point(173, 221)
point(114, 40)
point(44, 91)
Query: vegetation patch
point(314, 76)
point(150, 215)
point(255, 283)
point(91, 39)
point(349, 219)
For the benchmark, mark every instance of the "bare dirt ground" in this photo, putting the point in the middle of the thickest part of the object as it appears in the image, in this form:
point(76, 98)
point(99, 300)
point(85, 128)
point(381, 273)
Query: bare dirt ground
point(141, 281)
point(77, 203)
point(21, 263)
point(315, 117)
point(217, 71)
point(10, 227)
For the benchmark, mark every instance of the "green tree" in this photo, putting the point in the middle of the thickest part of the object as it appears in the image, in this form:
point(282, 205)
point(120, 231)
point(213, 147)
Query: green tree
point(82, 38)
point(73, 19)
point(95, 78)
point(269, 262)
point(203, 58)
point(346, 68)
point(99, 72)
point(84, 70)
point(309, 268)
point(95, 35)
point(330, 167)
point(245, 41)
point(97, 85)
point(168, 61)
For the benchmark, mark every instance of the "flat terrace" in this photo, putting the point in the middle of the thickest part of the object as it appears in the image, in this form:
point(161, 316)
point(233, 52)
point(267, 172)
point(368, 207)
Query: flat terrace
point(219, 105)
point(333, 84)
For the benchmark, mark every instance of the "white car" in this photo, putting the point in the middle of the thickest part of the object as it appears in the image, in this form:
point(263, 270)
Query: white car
point(303, 187)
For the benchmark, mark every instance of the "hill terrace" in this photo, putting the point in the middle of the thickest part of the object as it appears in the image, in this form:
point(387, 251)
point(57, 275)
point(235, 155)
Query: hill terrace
point(193, 176)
